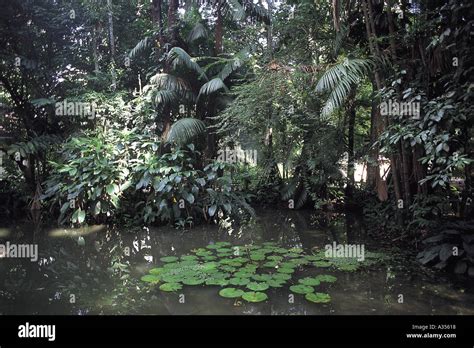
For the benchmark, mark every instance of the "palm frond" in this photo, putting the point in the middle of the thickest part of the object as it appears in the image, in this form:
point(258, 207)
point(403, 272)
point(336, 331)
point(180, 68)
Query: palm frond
point(170, 82)
point(199, 31)
point(212, 86)
point(339, 79)
point(177, 56)
point(185, 129)
point(234, 8)
point(140, 47)
point(165, 97)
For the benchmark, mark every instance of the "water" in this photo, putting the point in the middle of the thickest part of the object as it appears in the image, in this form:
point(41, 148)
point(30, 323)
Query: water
point(91, 271)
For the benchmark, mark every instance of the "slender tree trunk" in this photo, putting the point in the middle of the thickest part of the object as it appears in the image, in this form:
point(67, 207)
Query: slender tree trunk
point(335, 15)
point(270, 30)
point(95, 55)
point(112, 42)
point(173, 21)
point(351, 116)
point(157, 16)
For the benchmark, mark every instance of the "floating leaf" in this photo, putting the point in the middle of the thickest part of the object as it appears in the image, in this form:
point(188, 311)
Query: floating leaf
point(231, 293)
point(275, 283)
point(301, 289)
point(286, 270)
point(257, 286)
point(322, 264)
point(326, 278)
point(254, 296)
point(318, 297)
point(150, 278)
point(170, 287)
point(156, 271)
point(193, 281)
point(217, 281)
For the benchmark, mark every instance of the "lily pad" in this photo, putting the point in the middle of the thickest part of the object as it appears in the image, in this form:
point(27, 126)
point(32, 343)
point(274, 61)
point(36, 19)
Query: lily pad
point(231, 293)
point(217, 281)
point(301, 289)
point(257, 286)
point(281, 276)
point(170, 287)
point(150, 278)
point(318, 297)
point(261, 277)
point(285, 270)
point(322, 264)
point(188, 257)
point(193, 281)
point(156, 271)
point(254, 296)
point(275, 283)
point(257, 257)
point(326, 278)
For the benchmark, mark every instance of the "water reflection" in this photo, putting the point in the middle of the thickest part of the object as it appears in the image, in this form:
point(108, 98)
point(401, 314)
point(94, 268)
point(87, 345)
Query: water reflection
point(95, 270)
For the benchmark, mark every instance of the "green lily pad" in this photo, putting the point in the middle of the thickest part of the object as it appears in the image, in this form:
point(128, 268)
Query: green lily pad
point(301, 289)
point(169, 259)
point(326, 278)
point(275, 283)
point(347, 267)
point(318, 297)
point(309, 281)
point(171, 278)
point(285, 270)
point(193, 281)
point(275, 258)
point(170, 287)
point(321, 264)
point(213, 246)
point(257, 257)
point(254, 296)
point(188, 257)
point(270, 264)
point(281, 276)
point(156, 271)
point(231, 293)
point(150, 278)
point(217, 281)
point(261, 277)
point(257, 286)
point(242, 274)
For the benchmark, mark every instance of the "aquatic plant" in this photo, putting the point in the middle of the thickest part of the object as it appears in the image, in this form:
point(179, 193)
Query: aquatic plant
point(251, 270)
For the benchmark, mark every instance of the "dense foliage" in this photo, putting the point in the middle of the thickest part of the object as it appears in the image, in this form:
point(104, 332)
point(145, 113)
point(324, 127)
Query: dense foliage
point(149, 112)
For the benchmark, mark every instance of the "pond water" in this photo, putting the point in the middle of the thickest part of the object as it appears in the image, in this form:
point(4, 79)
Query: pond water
point(97, 270)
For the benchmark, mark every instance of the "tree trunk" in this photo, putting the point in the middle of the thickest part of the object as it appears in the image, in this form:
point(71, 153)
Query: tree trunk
point(157, 17)
point(351, 116)
point(112, 42)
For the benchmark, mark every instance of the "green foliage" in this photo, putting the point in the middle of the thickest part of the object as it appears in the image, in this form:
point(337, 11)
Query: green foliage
point(234, 265)
point(91, 175)
point(450, 248)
